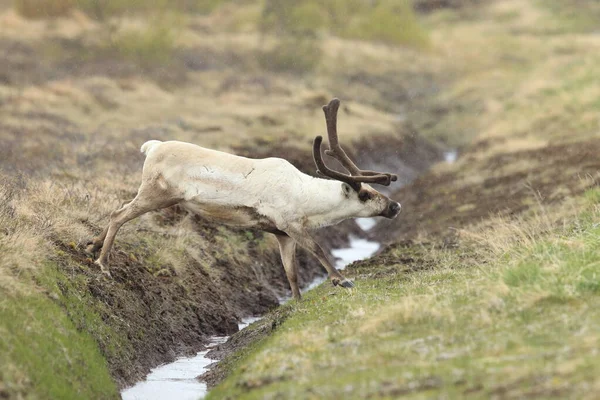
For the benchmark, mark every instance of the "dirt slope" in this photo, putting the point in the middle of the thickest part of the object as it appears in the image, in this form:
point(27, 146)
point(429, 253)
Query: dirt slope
point(503, 184)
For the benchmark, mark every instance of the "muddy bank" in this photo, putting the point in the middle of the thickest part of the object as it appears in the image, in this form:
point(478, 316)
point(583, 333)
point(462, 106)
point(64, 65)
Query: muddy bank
point(165, 312)
point(477, 187)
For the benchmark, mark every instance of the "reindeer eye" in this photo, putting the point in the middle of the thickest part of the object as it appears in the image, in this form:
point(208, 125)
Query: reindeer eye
point(363, 195)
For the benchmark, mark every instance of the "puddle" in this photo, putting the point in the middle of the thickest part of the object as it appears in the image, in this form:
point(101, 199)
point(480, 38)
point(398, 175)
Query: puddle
point(451, 156)
point(366, 224)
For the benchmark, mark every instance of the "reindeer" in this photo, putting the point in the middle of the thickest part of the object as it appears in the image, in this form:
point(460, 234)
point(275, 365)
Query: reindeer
point(266, 194)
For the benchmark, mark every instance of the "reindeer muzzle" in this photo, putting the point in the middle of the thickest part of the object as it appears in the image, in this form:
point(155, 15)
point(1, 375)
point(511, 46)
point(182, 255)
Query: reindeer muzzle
point(392, 210)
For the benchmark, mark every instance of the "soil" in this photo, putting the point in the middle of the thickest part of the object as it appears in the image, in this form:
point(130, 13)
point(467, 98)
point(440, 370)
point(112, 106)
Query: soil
point(241, 340)
point(502, 184)
point(175, 313)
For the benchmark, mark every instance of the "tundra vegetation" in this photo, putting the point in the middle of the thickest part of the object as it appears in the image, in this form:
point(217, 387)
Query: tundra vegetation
point(488, 285)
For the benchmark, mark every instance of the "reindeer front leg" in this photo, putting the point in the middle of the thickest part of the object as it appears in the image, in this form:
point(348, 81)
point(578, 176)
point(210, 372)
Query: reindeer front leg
point(287, 248)
point(306, 240)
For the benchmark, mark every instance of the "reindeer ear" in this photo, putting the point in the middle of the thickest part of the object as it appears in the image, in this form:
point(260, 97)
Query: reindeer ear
point(347, 189)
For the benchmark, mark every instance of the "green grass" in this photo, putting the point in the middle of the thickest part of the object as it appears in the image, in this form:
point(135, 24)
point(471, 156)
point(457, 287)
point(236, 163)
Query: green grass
point(153, 44)
point(390, 22)
point(523, 324)
point(44, 356)
point(85, 312)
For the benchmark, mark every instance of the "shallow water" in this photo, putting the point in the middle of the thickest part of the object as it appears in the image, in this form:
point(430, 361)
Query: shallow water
point(451, 156)
point(359, 250)
point(177, 380)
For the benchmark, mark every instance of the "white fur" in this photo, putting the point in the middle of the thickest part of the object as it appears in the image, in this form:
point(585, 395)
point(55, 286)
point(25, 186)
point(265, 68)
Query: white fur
point(205, 179)
point(146, 147)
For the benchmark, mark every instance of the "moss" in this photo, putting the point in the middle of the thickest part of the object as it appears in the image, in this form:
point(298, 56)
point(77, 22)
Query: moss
point(83, 310)
point(46, 356)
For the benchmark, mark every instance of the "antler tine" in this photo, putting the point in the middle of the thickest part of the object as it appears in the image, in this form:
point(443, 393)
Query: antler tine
point(325, 171)
point(353, 180)
point(336, 151)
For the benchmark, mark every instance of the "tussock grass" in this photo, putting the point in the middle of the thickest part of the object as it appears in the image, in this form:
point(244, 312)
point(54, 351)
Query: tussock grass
point(520, 321)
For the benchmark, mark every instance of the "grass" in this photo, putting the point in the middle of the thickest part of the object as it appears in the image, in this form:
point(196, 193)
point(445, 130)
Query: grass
point(152, 44)
point(391, 22)
point(292, 55)
point(299, 29)
point(45, 356)
point(44, 9)
point(524, 322)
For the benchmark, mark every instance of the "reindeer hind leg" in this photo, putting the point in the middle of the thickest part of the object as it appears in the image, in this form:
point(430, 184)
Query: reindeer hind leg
point(145, 201)
point(96, 244)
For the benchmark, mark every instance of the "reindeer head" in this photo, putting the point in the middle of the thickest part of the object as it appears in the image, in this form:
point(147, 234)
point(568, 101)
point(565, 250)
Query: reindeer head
point(368, 201)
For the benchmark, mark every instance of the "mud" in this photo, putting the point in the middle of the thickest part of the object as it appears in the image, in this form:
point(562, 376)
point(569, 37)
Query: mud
point(175, 313)
point(229, 351)
point(427, 6)
point(502, 184)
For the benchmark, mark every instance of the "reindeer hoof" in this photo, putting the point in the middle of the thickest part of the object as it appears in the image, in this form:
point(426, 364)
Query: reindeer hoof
point(91, 249)
point(103, 269)
point(346, 284)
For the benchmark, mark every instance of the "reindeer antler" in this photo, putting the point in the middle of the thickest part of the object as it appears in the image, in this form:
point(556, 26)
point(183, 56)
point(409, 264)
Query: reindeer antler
point(335, 150)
